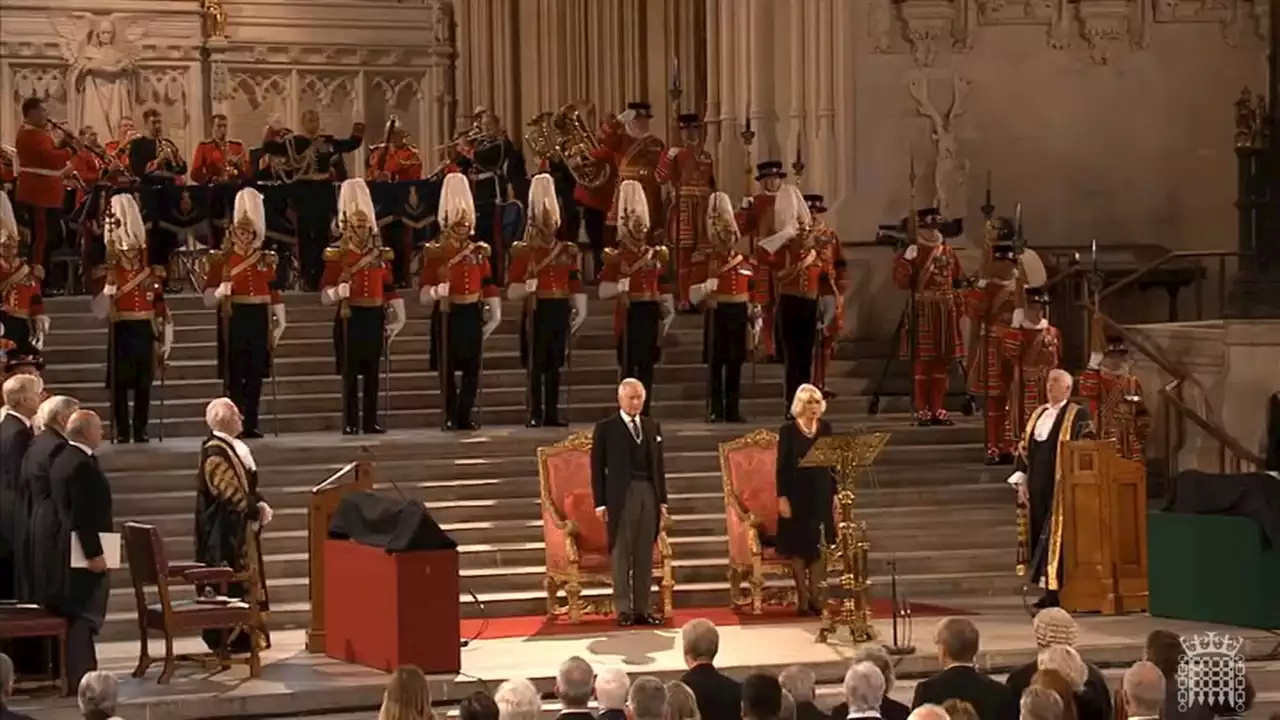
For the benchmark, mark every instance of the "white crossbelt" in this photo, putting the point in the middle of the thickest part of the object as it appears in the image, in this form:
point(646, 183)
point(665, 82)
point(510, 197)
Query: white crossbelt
point(41, 171)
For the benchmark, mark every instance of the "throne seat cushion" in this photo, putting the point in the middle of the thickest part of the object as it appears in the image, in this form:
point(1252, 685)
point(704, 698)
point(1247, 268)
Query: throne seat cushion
point(593, 536)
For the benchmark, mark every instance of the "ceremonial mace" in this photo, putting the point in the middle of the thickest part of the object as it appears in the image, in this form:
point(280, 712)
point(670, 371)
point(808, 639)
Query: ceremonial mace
point(673, 131)
point(748, 190)
point(110, 223)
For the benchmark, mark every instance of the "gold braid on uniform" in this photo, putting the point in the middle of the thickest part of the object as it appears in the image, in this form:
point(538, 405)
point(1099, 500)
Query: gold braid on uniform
point(224, 482)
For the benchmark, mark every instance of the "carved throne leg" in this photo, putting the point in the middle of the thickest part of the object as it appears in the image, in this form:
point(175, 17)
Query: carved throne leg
point(553, 590)
point(757, 587)
point(667, 586)
point(735, 588)
point(573, 594)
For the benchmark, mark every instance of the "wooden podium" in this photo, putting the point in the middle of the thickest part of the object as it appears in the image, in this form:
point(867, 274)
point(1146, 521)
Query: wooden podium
point(1104, 533)
point(325, 497)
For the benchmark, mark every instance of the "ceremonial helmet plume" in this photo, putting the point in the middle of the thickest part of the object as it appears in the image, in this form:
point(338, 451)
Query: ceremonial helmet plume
point(355, 204)
point(721, 223)
point(250, 214)
point(8, 223)
point(633, 209)
point(128, 232)
point(457, 208)
point(544, 207)
point(790, 211)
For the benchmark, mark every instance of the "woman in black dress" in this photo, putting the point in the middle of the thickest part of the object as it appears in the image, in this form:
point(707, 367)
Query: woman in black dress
point(804, 498)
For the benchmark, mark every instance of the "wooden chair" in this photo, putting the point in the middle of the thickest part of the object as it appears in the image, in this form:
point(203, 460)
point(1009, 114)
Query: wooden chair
point(576, 539)
point(148, 568)
point(29, 621)
point(748, 474)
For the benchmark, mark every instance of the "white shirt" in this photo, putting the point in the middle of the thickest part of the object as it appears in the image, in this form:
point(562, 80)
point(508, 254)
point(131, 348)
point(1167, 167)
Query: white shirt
point(1046, 420)
point(242, 450)
point(85, 448)
point(632, 422)
point(863, 714)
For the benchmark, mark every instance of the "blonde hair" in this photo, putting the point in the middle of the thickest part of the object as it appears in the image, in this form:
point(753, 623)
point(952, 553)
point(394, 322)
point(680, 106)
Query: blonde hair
point(682, 704)
point(805, 393)
point(1066, 662)
point(408, 696)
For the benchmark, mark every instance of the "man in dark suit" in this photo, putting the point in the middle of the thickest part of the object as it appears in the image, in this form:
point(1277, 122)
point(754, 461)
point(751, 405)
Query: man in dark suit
point(33, 486)
point(573, 688)
point(629, 483)
point(611, 688)
point(21, 400)
point(719, 696)
point(799, 682)
point(761, 697)
point(6, 690)
point(83, 495)
point(957, 642)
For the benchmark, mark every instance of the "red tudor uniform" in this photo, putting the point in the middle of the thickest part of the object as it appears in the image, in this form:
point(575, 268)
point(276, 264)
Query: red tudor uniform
point(991, 305)
point(635, 159)
point(756, 221)
point(40, 190)
point(359, 337)
point(466, 267)
point(20, 303)
point(220, 161)
point(1034, 347)
point(828, 242)
point(1116, 401)
point(691, 174)
point(932, 275)
point(547, 312)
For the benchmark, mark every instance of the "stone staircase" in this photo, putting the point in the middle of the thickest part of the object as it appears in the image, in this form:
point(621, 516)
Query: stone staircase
point(933, 507)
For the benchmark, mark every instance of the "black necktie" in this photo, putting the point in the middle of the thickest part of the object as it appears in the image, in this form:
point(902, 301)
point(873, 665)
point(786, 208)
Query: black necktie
point(635, 429)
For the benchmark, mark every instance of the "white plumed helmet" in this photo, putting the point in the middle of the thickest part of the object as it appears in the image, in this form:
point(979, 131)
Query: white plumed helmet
point(250, 212)
point(128, 232)
point(633, 209)
point(456, 204)
point(544, 207)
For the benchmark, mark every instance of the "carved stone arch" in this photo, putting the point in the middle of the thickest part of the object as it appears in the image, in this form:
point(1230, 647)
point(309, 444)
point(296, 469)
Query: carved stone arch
point(253, 98)
point(47, 82)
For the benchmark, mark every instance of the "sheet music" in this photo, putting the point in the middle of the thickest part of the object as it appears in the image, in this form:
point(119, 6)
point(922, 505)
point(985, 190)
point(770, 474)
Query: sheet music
point(110, 551)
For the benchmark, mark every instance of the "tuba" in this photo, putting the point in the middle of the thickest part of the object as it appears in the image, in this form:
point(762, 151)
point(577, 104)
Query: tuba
point(563, 136)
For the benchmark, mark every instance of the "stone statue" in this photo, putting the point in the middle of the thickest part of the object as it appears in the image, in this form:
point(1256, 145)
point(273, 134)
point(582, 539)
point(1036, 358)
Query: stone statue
point(950, 175)
point(214, 20)
point(103, 70)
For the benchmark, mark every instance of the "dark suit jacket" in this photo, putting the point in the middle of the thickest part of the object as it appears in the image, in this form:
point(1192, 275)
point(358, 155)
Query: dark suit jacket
point(7, 714)
point(990, 698)
point(611, 444)
point(613, 715)
point(808, 711)
point(1092, 704)
point(15, 438)
point(890, 709)
point(83, 494)
point(576, 715)
point(719, 696)
point(33, 485)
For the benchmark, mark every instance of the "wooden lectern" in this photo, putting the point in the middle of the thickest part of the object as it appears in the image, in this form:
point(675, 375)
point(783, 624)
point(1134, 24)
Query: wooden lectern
point(325, 497)
point(1104, 533)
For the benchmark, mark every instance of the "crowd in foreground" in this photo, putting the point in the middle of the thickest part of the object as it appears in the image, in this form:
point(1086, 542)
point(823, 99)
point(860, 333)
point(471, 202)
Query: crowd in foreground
point(1058, 685)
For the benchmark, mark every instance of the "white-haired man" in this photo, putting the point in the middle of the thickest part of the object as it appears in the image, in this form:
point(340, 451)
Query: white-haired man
point(863, 690)
point(929, 711)
point(1054, 627)
point(611, 688)
point(21, 400)
point(890, 709)
point(629, 484)
point(517, 699)
point(719, 696)
point(230, 513)
point(33, 486)
point(1036, 477)
point(573, 688)
point(1144, 691)
point(957, 641)
point(99, 694)
point(647, 699)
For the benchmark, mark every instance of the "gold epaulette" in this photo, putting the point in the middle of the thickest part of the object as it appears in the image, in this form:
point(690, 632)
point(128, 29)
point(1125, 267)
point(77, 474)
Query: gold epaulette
point(333, 253)
point(208, 141)
point(235, 142)
point(484, 249)
point(699, 256)
point(519, 248)
point(431, 249)
point(610, 255)
point(37, 271)
point(270, 258)
point(664, 254)
point(379, 146)
point(218, 256)
point(388, 254)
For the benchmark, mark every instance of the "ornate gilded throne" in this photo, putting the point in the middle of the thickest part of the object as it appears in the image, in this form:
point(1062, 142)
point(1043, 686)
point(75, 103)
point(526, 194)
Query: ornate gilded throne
point(576, 540)
point(748, 473)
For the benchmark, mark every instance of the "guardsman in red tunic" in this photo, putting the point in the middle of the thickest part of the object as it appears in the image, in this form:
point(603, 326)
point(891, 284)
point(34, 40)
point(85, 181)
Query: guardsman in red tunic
point(930, 271)
point(118, 148)
point(1115, 398)
point(627, 144)
point(21, 305)
point(545, 273)
point(132, 300)
point(725, 283)
point(637, 274)
point(43, 166)
point(828, 243)
point(358, 279)
point(219, 159)
point(402, 160)
point(689, 171)
point(803, 280)
point(251, 318)
point(755, 218)
point(457, 282)
point(991, 304)
point(1034, 347)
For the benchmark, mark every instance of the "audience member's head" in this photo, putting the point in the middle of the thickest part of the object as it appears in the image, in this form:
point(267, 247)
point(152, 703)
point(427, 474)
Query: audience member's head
point(959, 710)
point(222, 415)
point(788, 711)
point(85, 428)
point(1143, 690)
point(1054, 680)
point(1055, 626)
point(863, 687)
point(761, 697)
point(611, 689)
point(1235, 704)
point(1040, 703)
point(701, 641)
point(99, 693)
point(478, 706)
point(54, 413)
point(799, 681)
point(573, 683)
point(647, 699)
point(22, 394)
point(878, 656)
point(957, 640)
point(518, 699)
point(682, 704)
point(1067, 662)
point(1164, 650)
point(929, 711)
point(407, 697)
point(6, 680)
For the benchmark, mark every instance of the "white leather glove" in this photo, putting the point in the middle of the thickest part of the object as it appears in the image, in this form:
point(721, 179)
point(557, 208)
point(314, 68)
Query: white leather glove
point(826, 310)
point(697, 293)
point(1017, 478)
point(42, 324)
point(209, 299)
point(667, 304)
point(911, 253)
point(109, 291)
point(982, 283)
point(746, 203)
point(343, 291)
point(425, 295)
point(396, 318)
point(167, 345)
point(1095, 360)
point(100, 305)
point(626, 117)
point(673, 152)
point(712, 284)
point(281, 322)
point(265, 513)
point(579, 301)
point(531, 285)
point(442, 291)
point(223, 291)
point(495, 316)
point(624, 284)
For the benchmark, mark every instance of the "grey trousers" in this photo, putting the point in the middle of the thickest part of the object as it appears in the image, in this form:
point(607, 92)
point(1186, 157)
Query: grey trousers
point(632, 556)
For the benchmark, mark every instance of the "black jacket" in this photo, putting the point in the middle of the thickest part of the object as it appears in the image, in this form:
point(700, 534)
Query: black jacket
point(15, 438)
point(611, 444)
point(719, 696)
point(82, 497)
point(33, 488)
point(1092, 704)
point(990, 698)
point(890, 709)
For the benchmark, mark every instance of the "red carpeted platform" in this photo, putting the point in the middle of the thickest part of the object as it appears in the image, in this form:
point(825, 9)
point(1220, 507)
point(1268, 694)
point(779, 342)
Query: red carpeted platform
point(540, 626)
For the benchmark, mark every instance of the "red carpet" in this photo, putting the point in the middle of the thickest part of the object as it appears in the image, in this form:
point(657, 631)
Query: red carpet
point(540, 626)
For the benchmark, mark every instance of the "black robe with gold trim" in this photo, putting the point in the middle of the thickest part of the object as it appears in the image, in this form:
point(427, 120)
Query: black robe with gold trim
point(228, 529)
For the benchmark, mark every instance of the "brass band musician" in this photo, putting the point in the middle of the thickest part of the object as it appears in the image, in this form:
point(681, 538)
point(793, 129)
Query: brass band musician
point(219, 159)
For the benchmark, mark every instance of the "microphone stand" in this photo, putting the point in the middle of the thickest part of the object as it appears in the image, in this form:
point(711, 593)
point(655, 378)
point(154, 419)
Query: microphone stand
point(901, 611)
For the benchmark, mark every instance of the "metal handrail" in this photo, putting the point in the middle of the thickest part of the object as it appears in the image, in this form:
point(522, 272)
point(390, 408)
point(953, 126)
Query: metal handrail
point(1172, 255)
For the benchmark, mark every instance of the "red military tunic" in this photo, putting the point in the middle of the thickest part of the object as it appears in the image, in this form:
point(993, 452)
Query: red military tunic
point(465, 267)
point(554, 266)
point(1033, 352)
point(40, 166)
point(735, 274)
point(250, 276)
point(756, 223)
point(403, 163)
point(1118, 411)
point(20, 290)
point(216, 161)
point(368, 272)
point(635, 159)
point(934, 272)
point(88, 166)
point(139, 292)
point(801, 272)
point(692, 176)
point(646, 267)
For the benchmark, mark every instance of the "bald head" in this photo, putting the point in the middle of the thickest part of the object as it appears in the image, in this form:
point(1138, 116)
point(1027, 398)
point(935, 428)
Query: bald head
point(222, 415)
point(85, 427)
point(929, 711)
point(631, 396)
point(1144, 689)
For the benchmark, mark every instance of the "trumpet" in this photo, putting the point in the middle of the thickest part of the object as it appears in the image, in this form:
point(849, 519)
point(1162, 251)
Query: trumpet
point(472, 135)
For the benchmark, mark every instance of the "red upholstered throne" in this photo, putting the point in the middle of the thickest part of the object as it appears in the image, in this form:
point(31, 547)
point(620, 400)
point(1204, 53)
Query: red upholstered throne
point(577, 541)
point(748, 471)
